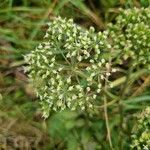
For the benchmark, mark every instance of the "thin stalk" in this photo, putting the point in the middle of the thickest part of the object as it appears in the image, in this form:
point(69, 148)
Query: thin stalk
point(120, 106)
point(105, 109)
point(107, 123)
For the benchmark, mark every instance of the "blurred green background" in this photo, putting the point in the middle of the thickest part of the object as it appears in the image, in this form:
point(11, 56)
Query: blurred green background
point(22, 26)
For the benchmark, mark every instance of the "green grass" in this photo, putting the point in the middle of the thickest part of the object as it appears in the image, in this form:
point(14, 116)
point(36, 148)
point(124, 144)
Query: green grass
point(22, 26)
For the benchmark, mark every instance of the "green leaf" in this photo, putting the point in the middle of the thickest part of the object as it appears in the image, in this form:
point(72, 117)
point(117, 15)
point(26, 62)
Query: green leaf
point(145, 3)
point(139, 99)
point(72, 143)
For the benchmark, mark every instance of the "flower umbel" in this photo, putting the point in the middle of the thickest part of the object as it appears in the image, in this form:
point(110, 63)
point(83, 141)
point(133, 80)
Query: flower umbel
point(130, 37)
point(141, 131)
point(68, 68)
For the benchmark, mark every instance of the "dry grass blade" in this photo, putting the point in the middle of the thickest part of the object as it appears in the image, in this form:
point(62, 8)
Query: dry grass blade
point(140, 89)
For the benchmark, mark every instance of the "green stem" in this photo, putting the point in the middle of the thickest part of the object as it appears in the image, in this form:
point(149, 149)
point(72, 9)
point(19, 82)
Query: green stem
point(120, 106)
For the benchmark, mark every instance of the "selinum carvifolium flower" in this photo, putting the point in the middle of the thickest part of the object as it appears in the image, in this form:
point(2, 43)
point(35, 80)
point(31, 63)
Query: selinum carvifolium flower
point(130, 37)
point(68, 68)
point(141, 131)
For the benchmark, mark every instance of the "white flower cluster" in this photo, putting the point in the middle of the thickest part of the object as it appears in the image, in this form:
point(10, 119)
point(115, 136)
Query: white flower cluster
point(141, 131)
point(130, 36)
point(68, 69)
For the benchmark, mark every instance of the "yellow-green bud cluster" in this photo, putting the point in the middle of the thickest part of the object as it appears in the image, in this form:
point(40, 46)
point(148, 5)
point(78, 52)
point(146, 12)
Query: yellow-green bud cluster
point(68, 68)
point(141, 131)
point(130, 36)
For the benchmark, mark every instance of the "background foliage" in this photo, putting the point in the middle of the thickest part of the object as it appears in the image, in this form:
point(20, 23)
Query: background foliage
point(22, 26)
